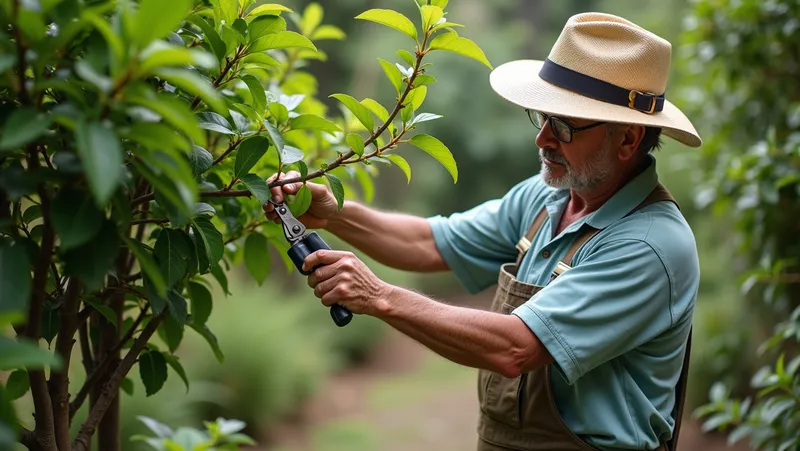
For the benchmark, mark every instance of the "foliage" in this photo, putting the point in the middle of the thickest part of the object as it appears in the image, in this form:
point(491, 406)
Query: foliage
point(221, 435)
point(743, 60)
point(136, 140)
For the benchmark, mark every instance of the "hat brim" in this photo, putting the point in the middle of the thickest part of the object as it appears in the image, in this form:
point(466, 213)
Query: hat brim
point(519, 83)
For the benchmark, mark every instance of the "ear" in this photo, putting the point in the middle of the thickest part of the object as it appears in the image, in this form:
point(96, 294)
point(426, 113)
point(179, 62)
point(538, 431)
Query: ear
point(631, 137)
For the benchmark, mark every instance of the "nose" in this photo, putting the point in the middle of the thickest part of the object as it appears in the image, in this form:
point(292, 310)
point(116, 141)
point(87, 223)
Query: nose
point(545, 138)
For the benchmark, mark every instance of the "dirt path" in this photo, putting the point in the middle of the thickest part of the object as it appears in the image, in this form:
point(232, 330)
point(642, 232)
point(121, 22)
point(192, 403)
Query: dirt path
point(406, 398)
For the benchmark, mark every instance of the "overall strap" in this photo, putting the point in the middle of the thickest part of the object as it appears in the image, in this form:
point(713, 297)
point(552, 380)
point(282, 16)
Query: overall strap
point(680, 395)
point(524, 243)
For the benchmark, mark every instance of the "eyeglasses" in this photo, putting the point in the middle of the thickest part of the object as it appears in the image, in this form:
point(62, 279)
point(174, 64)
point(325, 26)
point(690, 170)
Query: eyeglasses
point(562, 131)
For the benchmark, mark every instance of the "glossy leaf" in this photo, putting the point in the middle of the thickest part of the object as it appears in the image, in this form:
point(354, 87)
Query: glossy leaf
point(147, 264)
point(270, 8)
point(361, 112)
point(172, 253)
point(257, 257)
point(391, 19)
point(211, 35)
point(257, 186)
point(265, 25)
point(423, 117)
point(393, 74)
point(15, 281)
point(200, 160)
point(356, 143)
point(174, 112)
point(452, 42)
point(175, 363)
point(171, 331)
point(209, 243)
point(336, 188)
point(214, 122)
point(250, 151)
point(314, 122)
point(327, 32)
point(209, 336)
point(301, 201)
point(153, 371)
point(160, 54)
point(281, 40)
point(194, 84)
point(75, 217)
point(290, 155)
point(101, 156)
point(257, 91)
point(23, 126)
point(376, 109)
point(408, 57)
point(274, 136)
point(201, 302)
point(431, 15)
point(156, 19)
point(402, 164)
point(423, 80)
point(437, 150)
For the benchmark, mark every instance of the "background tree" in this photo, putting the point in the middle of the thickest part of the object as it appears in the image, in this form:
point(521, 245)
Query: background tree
point(136, 138)
point(743, 59)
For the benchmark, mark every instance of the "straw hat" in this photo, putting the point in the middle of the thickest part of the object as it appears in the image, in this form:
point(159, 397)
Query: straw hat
point(603, 68)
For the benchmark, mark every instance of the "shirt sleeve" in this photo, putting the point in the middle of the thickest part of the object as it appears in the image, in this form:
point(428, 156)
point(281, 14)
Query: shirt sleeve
point(475, 243)
point(613, 301)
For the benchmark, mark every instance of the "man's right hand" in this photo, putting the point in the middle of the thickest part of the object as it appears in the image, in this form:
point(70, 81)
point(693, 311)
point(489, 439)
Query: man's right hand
point(323, 203)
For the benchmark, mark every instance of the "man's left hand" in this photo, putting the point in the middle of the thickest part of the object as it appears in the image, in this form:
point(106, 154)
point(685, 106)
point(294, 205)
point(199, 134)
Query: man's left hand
point(345, 280)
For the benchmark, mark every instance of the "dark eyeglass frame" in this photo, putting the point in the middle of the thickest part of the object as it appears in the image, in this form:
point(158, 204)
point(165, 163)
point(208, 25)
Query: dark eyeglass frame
point(554, 121)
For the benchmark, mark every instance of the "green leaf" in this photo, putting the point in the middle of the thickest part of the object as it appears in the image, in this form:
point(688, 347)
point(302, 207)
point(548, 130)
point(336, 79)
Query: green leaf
point(23, 353)
point(174, 111)
point(416, 97)
point(402, 164)
point(281, 40)
point(153, 371)
point(214, 122)
point(327, 32)
point(200, 160)
point(361, 112)
point(271, 8)
point(279, 112)
point(336, 188)
point(104, 310)
point(172, 254)
point(101, 156)
point(250, 151)
point(257, 186)
point(440, 3)
point(202, 303)
point(147, 264)
point(257, 257)
point(257, 91)
point(314, 122)
point(177, 306)
point(171, 331)
point(301, 201)
point(452, 42)
point(156, 19)
point(17, 384)
point(22, 127)
point(393, 73)
point(209, 243)
point(31, 214)
point(156, 136)
point(209, 336)
point(430, 15)
point(356, 143)
point(407, 57)
point(193, 83)
point(175, 363)
point(160, 54)
point(265, 25)
point(423, 117)
point(75, 217)
point(376, 109)
point(312, 17)
point(423, 80)
point(222, 279)
point(437, 150)
point(391, 19)
point(92, 261)
point(127, 386)
point(15, 281)
point(212, 37)
point(261, 60)
point(103, 26)
point(290, 155)
point(51, 321)
point(174, 183)
point(274, 136)
point(225, 10)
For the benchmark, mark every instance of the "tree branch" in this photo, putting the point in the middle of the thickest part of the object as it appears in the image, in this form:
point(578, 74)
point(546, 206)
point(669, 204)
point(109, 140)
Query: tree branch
point(99, 369)
point(59, 380)
point(111, 388)
point(203, 194)
point(150, 221)
point(86, 352)
point(234, 144)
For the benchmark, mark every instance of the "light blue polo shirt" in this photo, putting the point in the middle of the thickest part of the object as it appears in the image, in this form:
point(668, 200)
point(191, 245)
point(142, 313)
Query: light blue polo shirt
point(616, 323)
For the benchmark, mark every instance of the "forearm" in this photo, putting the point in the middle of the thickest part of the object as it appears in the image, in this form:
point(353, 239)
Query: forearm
point(475, 338)
point(396, 240)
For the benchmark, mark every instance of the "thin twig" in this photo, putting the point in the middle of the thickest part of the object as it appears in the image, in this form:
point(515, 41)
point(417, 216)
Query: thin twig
point(111, 388)
point(86, 351)
point(99, 369)
point(234, 144)
point(149, 221)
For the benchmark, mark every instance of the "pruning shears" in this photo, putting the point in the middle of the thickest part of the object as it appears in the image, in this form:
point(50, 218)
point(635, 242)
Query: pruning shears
point(302, 245)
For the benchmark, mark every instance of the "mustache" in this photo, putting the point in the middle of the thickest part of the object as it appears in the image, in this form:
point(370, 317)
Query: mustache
point(552, 155)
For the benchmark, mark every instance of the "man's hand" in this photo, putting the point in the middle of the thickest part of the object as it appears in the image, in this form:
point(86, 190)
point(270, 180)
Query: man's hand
point(323, 203)
point(346, 280)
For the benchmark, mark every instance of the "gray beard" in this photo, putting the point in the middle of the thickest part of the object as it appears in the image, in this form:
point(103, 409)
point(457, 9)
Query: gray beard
point(587, 177)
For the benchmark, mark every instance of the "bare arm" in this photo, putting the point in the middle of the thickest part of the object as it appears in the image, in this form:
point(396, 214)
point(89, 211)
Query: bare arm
point(396, 240)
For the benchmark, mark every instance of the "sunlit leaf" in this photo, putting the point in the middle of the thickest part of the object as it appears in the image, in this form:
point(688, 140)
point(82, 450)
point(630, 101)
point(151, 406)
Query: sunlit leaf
point(336, 188)
point(327, 32)
point(356, 143)
point(271, 8)
point(101, 156)
point(402, 164)
point(301, 201)
point(452, 42)
point(437, 150)
point(282, 40)
point(361, 112)
point(257, 186)
point(257, 91)
point(391, 19)
point(250, 151)
point(393, 74)
point(314, 122)
point(156, 19)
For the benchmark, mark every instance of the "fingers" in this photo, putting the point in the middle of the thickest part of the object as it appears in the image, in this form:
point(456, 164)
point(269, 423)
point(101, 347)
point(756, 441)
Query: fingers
point(321, 274)
point(329, 257)
point(333, 290)
point(277, 192)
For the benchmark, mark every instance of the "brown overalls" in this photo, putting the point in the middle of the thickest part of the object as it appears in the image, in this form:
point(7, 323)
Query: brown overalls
point(520, 413)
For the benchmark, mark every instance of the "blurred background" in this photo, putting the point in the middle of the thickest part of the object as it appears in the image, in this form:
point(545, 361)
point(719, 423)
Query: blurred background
point(302, 384)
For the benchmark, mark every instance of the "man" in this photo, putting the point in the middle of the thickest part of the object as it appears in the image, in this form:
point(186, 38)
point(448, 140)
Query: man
point(597, 271)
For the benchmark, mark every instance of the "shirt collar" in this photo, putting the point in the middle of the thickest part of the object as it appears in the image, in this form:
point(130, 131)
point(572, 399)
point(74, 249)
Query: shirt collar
point(615, 208)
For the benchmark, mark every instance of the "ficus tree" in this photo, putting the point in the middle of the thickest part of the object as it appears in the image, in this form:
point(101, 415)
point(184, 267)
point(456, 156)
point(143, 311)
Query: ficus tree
point(743, 58)
point(137, 138)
